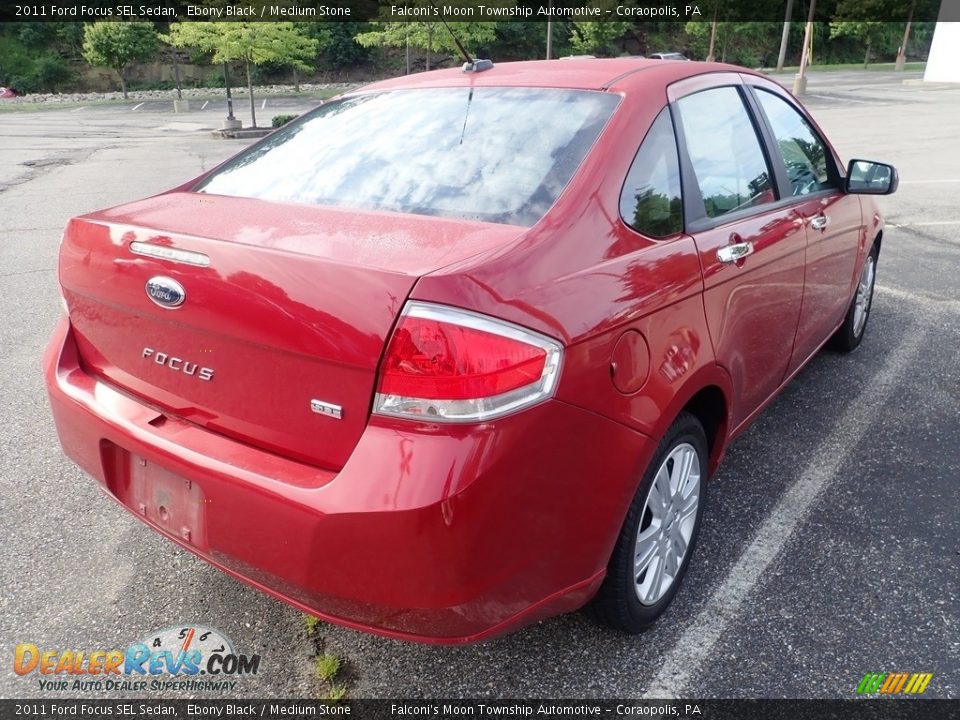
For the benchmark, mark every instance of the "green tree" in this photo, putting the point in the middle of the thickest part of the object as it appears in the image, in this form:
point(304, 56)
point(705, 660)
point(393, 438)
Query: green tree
point(66, 38)
point(51, 72)
point(428, 36)
point(336, 48)
point(874, 35)
point(117, 45)
point(252, 43)
point(751, 44)
point(597, 38)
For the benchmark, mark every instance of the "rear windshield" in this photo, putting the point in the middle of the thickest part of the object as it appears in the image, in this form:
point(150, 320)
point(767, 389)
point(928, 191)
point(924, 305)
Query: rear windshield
point(493, 154)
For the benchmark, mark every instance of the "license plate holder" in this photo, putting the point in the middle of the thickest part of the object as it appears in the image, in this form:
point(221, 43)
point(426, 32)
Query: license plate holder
point(173, 503)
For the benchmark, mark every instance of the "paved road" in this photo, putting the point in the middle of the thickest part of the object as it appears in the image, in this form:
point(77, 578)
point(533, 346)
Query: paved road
point(830, 545)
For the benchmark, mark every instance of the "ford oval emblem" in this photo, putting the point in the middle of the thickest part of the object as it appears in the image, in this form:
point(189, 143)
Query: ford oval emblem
point(165, 292)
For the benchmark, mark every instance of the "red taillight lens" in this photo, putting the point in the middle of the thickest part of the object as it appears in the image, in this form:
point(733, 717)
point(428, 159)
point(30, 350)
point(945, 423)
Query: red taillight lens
point(438, 360)
point(453, 365)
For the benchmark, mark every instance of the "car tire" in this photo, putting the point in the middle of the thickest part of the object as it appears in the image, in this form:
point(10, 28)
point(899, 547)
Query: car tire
point(657, 539)
point(848, 336)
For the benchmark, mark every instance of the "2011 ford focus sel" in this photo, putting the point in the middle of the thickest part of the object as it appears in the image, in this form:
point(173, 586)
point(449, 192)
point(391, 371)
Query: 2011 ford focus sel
point(459, 351)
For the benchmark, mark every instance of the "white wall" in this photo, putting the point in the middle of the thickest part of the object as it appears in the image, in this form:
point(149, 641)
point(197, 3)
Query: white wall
point(943, 64)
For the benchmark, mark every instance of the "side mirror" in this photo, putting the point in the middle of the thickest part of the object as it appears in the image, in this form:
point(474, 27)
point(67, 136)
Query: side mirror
point(866, 177)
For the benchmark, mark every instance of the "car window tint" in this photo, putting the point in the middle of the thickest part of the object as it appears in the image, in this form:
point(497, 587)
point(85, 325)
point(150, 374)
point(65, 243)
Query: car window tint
point(650, 200)
point(803, 152)
point(725, 152)
point(492, 154)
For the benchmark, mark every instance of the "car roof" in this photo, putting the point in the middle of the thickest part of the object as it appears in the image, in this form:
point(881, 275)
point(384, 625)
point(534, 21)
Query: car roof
point(573, 73)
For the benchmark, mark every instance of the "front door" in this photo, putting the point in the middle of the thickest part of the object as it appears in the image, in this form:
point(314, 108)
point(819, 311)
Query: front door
point(832, 219)
point(751, 244)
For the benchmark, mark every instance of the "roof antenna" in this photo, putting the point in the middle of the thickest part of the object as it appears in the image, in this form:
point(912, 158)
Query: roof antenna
point(470, 65)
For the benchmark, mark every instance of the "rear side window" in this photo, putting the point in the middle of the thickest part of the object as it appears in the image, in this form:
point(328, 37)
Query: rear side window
point(803, 152)
point(725, 151)
point(650, 201)
point(492, 154)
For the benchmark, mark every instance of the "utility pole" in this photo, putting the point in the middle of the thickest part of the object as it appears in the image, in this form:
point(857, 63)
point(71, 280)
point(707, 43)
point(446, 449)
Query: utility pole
point(549, 29)
point(902, 52)
point(713, 35)
point(785, 38)
point(179, 105)
point(231, 123)
point(800, 81)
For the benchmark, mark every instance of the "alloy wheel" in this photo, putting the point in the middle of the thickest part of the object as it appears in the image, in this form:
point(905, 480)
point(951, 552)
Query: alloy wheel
point(864, 292)
point(667, 525)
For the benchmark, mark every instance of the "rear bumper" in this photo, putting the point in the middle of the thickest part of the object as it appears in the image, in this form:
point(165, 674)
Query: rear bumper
point(443, 535)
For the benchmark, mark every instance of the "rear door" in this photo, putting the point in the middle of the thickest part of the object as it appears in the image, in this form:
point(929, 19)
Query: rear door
point(751, 243)
point(811, 180)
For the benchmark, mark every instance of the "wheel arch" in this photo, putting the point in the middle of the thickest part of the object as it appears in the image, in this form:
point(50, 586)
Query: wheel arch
point(707, 396)
point(709, 405)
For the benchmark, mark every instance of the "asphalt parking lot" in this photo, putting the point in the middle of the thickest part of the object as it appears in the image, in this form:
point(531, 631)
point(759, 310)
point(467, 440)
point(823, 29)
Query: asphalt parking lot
point(831, 542)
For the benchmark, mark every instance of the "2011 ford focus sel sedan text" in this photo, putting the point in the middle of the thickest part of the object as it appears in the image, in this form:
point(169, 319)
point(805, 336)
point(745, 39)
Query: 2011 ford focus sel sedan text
point(456, 352)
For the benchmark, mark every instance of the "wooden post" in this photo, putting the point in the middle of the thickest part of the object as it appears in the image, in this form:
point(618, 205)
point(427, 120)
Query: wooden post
point(800, 81)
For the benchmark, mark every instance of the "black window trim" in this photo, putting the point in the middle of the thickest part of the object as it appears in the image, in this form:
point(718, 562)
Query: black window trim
point(770, 138)
point(694, 208)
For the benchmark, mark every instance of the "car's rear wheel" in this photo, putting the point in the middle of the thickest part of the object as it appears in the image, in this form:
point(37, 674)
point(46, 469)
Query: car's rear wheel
point(659, 534)
point(849, 335)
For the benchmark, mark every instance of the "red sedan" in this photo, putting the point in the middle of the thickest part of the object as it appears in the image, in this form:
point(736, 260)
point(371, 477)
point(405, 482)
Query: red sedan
point(458, 351)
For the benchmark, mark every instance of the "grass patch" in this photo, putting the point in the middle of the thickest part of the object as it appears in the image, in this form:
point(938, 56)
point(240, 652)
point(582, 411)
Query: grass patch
point(310, 624)
point(327, 665)
point(336, 693)
point(281, 120)
point(840, 67)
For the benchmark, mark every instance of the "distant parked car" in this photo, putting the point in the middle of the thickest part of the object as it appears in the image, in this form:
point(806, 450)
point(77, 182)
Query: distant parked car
point(668, 56)
point(6, 92)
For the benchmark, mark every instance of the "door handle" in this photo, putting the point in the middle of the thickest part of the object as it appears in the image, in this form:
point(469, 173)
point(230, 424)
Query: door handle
point(819, 222)
point(734, 253)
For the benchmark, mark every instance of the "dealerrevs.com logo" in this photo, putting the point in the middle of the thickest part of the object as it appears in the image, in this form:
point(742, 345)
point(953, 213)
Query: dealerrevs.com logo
point(176, 658)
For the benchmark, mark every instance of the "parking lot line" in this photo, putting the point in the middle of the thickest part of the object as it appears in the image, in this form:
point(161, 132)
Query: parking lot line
point(925, 224)
point(929, 182)
point(684, 660)
point(930, 301)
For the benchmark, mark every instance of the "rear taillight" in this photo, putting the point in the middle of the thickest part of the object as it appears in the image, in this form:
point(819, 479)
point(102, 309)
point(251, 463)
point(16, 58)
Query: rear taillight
point(444, 364)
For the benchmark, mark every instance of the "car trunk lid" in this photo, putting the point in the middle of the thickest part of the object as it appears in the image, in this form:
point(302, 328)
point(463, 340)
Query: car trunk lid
point(285, 314)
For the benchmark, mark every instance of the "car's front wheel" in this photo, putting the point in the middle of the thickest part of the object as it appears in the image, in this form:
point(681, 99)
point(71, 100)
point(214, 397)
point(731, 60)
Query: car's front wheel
point(659, 533)
point(849, 335)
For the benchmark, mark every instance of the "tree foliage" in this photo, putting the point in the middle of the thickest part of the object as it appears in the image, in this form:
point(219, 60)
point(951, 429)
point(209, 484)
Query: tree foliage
point(251, 43)
point(336, 48)
point(873, 36)
point(751, 44)
point(255, 43)
point(597, 38)
point(429, 36)
point(117, 45)
point(42, 56)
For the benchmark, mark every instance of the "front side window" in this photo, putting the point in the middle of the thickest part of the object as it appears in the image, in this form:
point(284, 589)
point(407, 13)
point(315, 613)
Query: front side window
point(650, 201)
point(803, 152)
point(490, 154)
point(725, 151)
